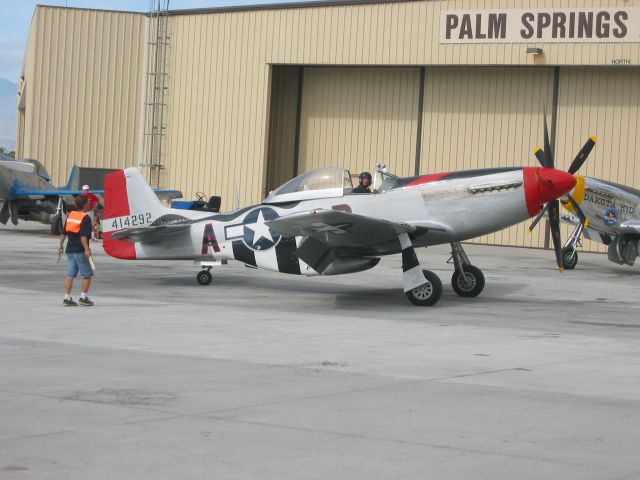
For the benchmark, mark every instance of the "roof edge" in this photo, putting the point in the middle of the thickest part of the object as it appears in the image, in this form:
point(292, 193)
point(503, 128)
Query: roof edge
point(246, 8)
point(287, 5)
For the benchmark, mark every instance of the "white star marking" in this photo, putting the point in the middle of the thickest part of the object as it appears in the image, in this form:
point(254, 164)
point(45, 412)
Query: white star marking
point(260, 230)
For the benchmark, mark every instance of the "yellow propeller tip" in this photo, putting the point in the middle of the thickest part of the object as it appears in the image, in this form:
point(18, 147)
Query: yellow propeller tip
point(586, 224)
point(537, 150)
point(594, 138)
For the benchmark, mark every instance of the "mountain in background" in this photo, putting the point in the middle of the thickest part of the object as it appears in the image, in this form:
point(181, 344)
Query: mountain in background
point(8, 112)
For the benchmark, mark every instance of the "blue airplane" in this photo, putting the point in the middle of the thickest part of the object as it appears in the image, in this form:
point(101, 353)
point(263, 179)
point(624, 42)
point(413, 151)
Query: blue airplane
point(26, 193)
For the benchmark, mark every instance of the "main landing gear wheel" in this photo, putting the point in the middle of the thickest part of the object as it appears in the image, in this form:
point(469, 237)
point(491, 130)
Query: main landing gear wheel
point(428, 293)
point(470, 284)
point(204, 277)
point(56, 225)
point(569, 258)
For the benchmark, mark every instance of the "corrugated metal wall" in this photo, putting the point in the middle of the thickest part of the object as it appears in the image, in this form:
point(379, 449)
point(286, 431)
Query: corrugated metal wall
point(83, 99)
point(85, 75)
point(604, 102)
point(356, 117)
point(219, 86)
point(486, 117)
point(217, 104)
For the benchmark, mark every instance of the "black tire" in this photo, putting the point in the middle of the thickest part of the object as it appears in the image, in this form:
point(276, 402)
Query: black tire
point(56, 225)
point(427, 294)
point(204, 277)
point(470, 284)
point(569, 261)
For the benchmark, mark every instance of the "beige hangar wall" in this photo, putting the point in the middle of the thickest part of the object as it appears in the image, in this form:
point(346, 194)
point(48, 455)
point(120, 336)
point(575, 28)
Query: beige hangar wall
point(232, 93)
point(82, 89)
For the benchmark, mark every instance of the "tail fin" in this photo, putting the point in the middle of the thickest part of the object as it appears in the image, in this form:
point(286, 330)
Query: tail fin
point(126, 193)
point(129, 203)
point(73, 183)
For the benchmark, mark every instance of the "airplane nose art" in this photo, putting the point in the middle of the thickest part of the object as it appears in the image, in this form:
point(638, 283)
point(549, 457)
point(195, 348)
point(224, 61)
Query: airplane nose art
point(545, 184)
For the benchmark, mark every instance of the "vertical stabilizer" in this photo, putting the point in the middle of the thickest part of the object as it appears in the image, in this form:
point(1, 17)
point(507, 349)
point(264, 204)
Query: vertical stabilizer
point(73, 183)
point(129, 203)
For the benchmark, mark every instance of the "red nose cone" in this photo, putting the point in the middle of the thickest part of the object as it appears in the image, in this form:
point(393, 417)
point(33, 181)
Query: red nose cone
point(545, 184)
point(553, 183)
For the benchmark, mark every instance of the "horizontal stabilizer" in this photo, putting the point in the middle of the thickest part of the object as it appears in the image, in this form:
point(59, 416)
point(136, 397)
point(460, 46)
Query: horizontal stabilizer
point(149, 234)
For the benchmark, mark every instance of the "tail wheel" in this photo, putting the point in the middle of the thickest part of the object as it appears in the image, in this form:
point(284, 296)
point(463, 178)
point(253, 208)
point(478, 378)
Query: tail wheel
point(204, 277)
point(428, 293)
point(569, 258)
point(470, 284)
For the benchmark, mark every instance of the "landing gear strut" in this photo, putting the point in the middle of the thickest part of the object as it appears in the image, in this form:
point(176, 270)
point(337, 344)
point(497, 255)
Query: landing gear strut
point(56, 221)
point(467, 279)
point(570, 249)
point(422, 287)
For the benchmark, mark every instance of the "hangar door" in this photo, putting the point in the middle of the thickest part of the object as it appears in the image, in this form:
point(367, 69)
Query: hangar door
point(483, 117)
point(356, 117)
point(603, 102)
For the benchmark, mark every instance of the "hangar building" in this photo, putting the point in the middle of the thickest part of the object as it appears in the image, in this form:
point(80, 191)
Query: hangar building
point(237, 100)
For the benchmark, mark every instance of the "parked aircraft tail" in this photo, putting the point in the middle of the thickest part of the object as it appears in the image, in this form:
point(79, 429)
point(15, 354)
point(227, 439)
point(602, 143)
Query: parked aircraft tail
point(73, 183)
point(127, 194)
point(130, 205)
point(135, 222)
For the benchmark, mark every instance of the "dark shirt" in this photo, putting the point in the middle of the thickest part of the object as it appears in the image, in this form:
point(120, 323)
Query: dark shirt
point(74, 244)
point(361, 189)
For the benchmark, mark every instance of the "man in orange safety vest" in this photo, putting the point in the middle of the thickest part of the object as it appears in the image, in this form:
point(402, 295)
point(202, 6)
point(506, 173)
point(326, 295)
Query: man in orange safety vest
point(77, 229)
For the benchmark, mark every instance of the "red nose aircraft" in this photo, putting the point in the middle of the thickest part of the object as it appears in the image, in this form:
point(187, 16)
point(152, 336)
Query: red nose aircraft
point(315, 224)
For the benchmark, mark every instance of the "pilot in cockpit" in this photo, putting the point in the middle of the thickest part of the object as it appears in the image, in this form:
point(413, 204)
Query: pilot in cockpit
point(364, 183)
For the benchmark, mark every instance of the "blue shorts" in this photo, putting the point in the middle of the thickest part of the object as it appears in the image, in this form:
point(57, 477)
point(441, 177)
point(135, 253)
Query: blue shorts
point(78, 262)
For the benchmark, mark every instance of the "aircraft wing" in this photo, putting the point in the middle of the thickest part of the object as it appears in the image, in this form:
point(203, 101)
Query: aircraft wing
point(348, 233)
point(25, 192)
point(631, 225)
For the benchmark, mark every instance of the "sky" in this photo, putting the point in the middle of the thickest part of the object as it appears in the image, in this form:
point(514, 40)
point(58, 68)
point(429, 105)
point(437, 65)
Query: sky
point(15, 19)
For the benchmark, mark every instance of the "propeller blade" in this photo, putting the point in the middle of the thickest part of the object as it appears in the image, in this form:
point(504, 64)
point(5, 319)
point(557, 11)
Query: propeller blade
point(554, 223)
point(548, 154)
point(537, 219)
point(579, 212)
point(539, 153)
point(582, 155)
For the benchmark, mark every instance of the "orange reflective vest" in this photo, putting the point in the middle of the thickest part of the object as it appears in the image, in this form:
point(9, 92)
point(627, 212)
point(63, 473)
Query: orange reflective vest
point(74, 220)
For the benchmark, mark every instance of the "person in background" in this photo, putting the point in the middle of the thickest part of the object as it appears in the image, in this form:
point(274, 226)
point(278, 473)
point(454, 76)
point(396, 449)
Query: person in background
point(94, 201)
point(77, 229)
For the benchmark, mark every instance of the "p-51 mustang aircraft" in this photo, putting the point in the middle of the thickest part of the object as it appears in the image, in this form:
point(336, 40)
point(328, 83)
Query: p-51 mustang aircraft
point(607, 213)
point(315, 225)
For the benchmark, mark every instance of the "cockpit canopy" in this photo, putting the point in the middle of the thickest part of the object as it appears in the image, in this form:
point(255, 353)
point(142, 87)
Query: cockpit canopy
point(38, 169)
point(326, 182)
point(27, 166)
